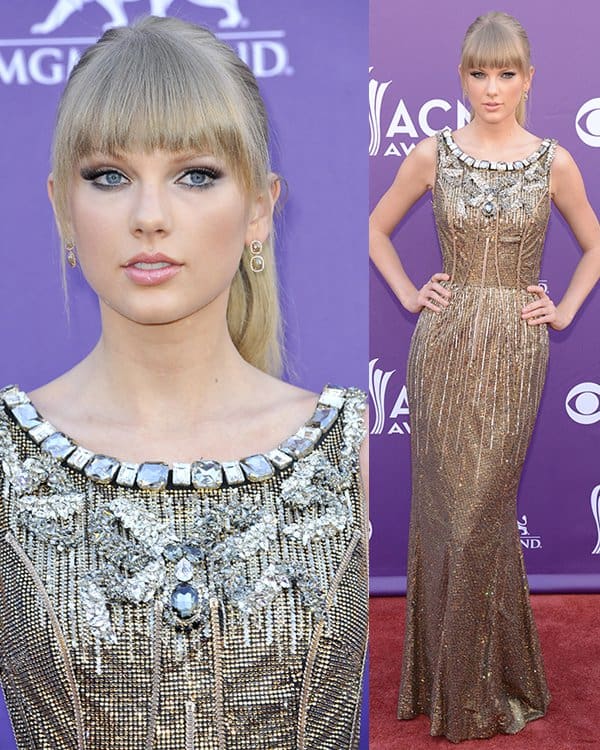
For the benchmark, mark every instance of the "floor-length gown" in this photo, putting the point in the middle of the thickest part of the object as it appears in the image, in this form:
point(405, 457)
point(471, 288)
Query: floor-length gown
point(475, 374)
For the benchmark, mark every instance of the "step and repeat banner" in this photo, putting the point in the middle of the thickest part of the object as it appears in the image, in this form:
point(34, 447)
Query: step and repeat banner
point(311, 62)
point(414, 90)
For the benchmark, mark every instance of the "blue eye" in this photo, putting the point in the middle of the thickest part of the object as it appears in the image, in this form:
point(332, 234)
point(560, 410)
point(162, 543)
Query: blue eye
point(104, 178)
point(199, 178)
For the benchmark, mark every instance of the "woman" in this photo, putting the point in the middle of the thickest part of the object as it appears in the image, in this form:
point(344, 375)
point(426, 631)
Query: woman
point(475, 374)
point(153, 598)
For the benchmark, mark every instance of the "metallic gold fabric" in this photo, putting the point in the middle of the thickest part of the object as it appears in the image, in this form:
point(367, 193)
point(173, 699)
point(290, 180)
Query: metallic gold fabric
point(89, 660)
point(475, 375)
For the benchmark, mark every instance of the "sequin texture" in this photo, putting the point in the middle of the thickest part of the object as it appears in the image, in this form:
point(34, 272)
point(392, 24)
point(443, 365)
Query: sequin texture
point(476, 370)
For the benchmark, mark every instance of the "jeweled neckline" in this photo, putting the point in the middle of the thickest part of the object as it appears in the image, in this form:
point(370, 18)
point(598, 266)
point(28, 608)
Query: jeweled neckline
point(203, 474)
point(496, 166)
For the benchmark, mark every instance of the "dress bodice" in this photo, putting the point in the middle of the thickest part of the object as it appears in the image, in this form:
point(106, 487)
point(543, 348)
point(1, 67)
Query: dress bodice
point(491, 217)
point(201, 607)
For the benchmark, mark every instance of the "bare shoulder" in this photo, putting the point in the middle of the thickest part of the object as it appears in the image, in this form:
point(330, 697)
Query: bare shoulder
point(418, 168)
point(425, 152)
point(563, 162)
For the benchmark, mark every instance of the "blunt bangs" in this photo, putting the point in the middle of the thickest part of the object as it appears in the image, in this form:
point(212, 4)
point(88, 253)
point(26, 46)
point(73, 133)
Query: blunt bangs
point(142, 92)
point(494, 45)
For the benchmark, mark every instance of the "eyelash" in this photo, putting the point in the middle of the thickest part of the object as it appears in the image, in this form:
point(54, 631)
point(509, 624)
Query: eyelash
point(93, 175)
point(478, 73)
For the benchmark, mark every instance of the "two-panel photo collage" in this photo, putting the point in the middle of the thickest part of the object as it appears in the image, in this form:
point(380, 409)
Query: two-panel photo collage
point(300, 375)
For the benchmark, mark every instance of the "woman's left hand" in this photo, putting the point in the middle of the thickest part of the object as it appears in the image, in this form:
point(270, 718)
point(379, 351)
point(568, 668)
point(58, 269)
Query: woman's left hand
point(543, 310)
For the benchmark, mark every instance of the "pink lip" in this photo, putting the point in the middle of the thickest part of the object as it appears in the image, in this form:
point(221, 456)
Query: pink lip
point(151, 277)
point(491, 105)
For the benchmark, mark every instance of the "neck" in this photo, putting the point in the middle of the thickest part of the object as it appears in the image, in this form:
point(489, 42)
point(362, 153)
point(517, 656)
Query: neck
point(146, 374)
point(495, 132)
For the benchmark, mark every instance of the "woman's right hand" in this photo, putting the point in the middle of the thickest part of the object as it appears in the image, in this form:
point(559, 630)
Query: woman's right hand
point(431, 295)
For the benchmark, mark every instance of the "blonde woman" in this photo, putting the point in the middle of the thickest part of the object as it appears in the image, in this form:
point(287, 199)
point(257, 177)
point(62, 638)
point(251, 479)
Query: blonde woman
point(183, 556)
point(475, 374)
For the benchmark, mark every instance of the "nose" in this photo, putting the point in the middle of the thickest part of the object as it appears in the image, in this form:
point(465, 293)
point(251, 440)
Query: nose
point(150, 212)
point(492, 85)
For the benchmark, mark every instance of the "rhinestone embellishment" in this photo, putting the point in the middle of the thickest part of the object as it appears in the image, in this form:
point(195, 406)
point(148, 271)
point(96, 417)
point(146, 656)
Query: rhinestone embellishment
point(204, 474)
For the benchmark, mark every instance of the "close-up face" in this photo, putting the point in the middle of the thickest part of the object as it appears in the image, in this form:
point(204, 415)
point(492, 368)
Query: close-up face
point(160, 235)
point(495, 93)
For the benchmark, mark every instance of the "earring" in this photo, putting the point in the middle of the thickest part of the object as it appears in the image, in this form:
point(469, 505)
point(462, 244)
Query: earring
point(525, 95)
point(71, 257)
point(257, 262)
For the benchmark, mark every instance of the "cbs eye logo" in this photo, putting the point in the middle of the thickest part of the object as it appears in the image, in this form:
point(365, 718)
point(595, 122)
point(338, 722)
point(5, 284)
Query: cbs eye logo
point(583, 403)
point(587, 123)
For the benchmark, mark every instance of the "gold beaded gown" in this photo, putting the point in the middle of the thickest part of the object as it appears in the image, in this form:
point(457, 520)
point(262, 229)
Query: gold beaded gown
point(476, 370)
point(202, 606)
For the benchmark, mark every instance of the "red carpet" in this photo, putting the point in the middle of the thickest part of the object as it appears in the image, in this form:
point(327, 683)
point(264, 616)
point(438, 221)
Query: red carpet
point(569, 627)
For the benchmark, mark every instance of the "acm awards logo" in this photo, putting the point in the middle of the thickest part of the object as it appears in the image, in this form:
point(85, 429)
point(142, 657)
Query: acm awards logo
point(528, 541)
point(47, 58)
point(398, 134)
point(398, 414)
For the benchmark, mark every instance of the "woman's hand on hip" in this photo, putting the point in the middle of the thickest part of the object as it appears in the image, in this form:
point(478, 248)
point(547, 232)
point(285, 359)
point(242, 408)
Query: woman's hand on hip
point(543, 310)
point(431, 295)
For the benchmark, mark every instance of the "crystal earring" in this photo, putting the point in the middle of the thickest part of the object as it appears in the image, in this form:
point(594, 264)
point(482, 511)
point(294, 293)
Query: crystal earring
point(70, 250)
point(257, 261)
point(525, 96)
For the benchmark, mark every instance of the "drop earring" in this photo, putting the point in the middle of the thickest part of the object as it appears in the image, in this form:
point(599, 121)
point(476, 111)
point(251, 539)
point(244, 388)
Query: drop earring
point(525, 96)
point(257, 261)
point(70, 250)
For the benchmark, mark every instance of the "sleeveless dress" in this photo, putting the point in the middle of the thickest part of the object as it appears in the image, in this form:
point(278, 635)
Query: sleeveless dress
point(476, 370)
point(203, 606)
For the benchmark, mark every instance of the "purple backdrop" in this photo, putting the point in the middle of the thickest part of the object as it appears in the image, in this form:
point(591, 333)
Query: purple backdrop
point(317, 112)
point(414, 90)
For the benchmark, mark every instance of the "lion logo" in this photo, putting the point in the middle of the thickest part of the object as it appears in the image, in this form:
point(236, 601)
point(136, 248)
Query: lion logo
point(63, 9)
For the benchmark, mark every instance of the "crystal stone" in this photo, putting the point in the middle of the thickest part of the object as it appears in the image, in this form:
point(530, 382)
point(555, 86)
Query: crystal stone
point(184, 570)
point(184, 600)
point(182, 475)
point(79, 458)
point(257, 467)
point(102, 469)
point(297, 446)
point(152, 476)
point(233, 472)
point(41, 432)
point(13, 397)
point(310, 433)
point(127, 474)
point(172, 553)
point(488, 208)
point(58, 445)
point(332, 396)
point(324, 417)
point(279, 459)
point(193, 553)
point(206, 475)
point(26, 416)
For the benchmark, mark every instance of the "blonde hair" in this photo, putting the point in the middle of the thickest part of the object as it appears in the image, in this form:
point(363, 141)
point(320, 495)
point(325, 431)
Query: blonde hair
point(497, 40)
point(164, 83)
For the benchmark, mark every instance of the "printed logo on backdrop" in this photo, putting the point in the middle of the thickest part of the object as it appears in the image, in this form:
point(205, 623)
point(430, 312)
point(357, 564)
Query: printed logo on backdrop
point(397, 135)
point(44, 56)
point(528, 541)
point(595, 500)
point(587, 123)
point(396, 421)
point(583, 403)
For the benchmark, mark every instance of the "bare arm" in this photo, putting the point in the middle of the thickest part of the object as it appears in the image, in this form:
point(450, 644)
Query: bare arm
point(414, 178)
point(569, 196)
